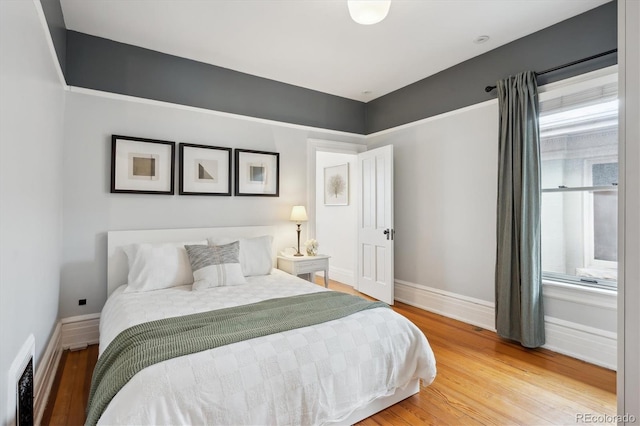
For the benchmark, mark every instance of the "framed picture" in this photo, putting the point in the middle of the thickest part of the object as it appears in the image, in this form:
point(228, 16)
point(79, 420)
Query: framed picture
point(142, 166)
point(257, 173)
point(336, 185)
point(204, 170)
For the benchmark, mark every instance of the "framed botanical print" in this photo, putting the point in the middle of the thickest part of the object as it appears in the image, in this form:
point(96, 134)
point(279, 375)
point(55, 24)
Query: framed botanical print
point(257, 173)
point(336, 185)
point(142, 166)
point(204, 170)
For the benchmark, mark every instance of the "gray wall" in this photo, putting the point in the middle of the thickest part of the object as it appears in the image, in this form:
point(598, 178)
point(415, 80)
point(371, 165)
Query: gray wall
point(582, 36)
point(31, 113)
point(463, 153)
point(101, 64)
point(90, 210)
point(445, 174)
point(445, 192)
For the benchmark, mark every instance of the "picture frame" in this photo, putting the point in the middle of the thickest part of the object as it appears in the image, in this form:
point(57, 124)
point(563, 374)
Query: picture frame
point(204, 170)
point(336, 185)
point(257, 173)
point(142, 166)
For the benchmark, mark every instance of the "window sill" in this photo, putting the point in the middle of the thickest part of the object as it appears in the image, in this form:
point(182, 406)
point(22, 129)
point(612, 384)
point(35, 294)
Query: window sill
point(584, 295)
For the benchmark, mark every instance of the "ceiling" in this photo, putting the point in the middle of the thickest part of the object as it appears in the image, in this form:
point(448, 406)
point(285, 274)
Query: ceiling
point(314, 43)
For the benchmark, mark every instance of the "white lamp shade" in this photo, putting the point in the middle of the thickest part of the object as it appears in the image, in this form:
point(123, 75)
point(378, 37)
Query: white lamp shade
point(298, 214)
point(368, 12)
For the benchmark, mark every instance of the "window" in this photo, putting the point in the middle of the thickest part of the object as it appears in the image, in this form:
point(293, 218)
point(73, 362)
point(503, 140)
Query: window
point(579, 159)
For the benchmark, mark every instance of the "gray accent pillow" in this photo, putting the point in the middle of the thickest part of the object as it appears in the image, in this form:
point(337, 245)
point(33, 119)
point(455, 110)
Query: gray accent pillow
point(255, 253)
point(215, 266)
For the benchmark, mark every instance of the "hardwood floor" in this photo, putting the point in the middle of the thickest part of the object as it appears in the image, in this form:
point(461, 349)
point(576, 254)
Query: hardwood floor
point(481, 380)
point(70, 390)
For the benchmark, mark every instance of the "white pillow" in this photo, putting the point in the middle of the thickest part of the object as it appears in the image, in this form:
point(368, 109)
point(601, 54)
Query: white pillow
point(158, 266)
point(255, 254)
point(215, 266)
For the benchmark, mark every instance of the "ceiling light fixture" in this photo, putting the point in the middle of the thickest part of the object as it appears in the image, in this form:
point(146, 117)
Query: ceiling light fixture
point(368, 12)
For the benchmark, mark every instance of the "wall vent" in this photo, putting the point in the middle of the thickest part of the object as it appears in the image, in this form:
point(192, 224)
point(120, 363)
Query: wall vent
point(21, 384)
point(24, 390)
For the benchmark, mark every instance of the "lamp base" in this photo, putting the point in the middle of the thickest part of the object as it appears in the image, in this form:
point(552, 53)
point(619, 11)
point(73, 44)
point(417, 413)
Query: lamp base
point(298, 252)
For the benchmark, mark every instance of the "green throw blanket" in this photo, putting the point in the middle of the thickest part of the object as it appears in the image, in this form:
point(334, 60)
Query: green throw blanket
point(146, 344)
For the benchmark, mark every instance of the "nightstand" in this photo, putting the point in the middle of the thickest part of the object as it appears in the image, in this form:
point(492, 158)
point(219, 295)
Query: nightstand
point(298, 265)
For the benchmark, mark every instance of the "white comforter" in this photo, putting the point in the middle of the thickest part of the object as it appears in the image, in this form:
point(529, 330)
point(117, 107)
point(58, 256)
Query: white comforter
point(312, 375)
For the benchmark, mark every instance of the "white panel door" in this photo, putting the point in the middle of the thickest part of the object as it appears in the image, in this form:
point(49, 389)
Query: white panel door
point(375, 224)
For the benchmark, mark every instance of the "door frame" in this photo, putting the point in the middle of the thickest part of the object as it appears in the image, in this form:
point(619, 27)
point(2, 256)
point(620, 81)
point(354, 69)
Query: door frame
point(322, 145)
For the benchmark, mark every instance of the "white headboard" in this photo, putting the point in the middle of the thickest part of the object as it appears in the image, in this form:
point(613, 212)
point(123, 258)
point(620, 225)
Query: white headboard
point(118, 266)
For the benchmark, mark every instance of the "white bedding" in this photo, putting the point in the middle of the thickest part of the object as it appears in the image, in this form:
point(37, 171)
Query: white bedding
point(312, 375)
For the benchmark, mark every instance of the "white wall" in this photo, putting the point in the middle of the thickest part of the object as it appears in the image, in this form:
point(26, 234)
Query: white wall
point(90, 210)
point(31, 116)
point(445, 217)
point(629, 348)
point(445, 201)
point(336, 226)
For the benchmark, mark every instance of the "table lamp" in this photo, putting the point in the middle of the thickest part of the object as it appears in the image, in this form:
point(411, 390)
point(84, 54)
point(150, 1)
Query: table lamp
point(298, 215)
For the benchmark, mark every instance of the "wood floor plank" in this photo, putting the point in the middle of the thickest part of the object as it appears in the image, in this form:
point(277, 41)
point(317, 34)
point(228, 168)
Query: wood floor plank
point(439, 407)
point(520, 379)
point(62, 406)
point(415, 414)
point(48, 413)
point(482, 380)
point(77, 402)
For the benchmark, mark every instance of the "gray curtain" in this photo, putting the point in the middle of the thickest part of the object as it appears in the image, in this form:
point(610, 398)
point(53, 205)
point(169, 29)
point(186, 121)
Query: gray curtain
point(519, 310)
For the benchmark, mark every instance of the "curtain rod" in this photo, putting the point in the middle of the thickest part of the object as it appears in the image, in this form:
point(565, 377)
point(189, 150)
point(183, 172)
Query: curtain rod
point(570, 64)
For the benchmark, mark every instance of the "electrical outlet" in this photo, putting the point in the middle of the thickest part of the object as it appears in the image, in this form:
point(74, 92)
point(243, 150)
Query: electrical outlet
point(82, 302)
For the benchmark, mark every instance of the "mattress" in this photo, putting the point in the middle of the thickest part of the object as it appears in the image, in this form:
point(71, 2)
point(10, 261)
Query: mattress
point(311, 375)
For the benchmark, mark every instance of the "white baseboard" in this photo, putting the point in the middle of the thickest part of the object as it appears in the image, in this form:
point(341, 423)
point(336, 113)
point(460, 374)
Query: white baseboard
point(81, 331)
point(46, 373)
point(588, 344)
point(342, 275)
point(593, 345)
point(466, 309)
point(70, 333)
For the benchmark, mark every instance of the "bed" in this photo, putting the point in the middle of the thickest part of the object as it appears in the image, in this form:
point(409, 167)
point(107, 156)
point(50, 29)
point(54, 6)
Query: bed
point(334, 372)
